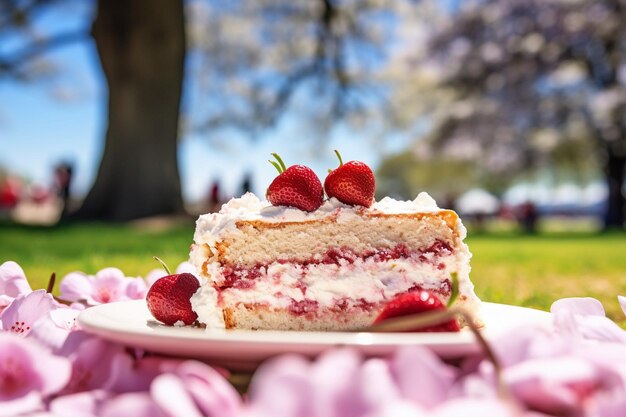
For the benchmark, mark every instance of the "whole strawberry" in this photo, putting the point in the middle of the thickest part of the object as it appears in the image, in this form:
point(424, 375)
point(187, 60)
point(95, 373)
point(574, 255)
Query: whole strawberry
point(169, 298)
point(415, 302)
point(351, 183)
point(296, 186)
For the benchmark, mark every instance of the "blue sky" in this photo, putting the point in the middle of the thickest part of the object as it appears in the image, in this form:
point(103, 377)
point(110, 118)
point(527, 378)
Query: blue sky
point(64, 119)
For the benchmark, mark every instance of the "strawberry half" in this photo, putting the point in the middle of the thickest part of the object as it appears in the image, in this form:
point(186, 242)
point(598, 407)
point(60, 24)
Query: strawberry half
point(169, 298)
point(296, 186)
point(351, 183)
point(415, 302)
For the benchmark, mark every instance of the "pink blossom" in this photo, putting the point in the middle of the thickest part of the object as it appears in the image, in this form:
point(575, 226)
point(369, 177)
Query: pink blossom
point(53, 329)
point(136, 288)
point(337, 384)
point(400, 408)
point(13, 283)
point(170, 394)
point(210, 391)
point(560, 385)
point(84, 404)
point(154, 275)
point(132, 405)
point(132, 375)
point(585, 318)
point(28, 375)
point(108, 285)
point(20, 316)
point(474, 407)
point(91, 358)
point(76, 287)
point(422, 377)
point(281, 387)
point(556, 373)
point(622, 303)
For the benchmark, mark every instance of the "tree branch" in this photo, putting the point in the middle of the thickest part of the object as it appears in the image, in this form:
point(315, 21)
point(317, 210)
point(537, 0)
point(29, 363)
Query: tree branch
point(15, 60)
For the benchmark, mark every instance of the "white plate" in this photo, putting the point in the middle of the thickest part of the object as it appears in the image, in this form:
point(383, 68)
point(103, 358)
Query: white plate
point(130, 323)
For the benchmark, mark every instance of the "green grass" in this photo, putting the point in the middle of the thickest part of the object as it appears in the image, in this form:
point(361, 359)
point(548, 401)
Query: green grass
point(509, 268)
point(534, 271)
point(91, 247)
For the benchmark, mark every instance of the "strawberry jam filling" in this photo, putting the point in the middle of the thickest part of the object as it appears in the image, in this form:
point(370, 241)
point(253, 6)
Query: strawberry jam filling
point(243, 277)
point(311, 308)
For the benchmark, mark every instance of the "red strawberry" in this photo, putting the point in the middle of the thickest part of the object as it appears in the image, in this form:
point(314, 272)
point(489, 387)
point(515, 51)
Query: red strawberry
point(296, 186)
point(351, 183)
point(415, 302)
point(169, 298)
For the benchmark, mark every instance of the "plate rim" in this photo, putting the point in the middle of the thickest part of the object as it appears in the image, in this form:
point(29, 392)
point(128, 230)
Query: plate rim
point(281, 338)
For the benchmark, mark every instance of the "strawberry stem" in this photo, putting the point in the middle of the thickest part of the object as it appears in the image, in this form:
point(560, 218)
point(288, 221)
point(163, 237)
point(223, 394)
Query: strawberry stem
point(159, 260)
point(339, 156)
point(276, 166)
point(280, 162)
point(454, 291)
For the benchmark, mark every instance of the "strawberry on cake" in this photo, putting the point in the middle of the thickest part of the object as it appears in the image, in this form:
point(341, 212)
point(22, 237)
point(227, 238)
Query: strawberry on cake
point(297, 262)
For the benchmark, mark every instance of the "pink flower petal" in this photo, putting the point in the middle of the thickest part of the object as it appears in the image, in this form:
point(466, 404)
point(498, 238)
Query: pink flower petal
point(132, 405)
point(170, 394)
point(601, 328)
point(136, 288)
point(470, 407)
point(421, 376)
point(556, 385)
point(523, 342)
point(281, 387)
point(29, 374)
point(109, 286)
point(585, 318)
point(154, 275)
point(615, 407)
point(78, 306)
point(91, 358)
point(29, 402)
point(213, 394)
point(13, 283)
point(376, 385)
point(76, 286)
point(401, 408)
point(335, 388)
point(622, 303)
point(566, 310)
point(131, 375)
point(20, 316)
point(53, 329)
point(583, 306)
point(84, 404)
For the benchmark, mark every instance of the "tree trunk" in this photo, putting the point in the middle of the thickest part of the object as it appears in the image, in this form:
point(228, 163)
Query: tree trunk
point(615, 171)
point(141, 44)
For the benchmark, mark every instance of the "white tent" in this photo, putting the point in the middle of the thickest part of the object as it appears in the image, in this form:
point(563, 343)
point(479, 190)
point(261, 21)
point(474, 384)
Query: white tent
point(477, 201)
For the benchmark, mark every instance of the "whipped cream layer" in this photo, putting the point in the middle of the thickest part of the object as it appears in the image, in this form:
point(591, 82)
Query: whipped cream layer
point(361, 281)
point(212, 227)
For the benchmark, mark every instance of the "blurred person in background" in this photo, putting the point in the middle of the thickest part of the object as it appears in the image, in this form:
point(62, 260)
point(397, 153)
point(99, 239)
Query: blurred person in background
point(62, 183)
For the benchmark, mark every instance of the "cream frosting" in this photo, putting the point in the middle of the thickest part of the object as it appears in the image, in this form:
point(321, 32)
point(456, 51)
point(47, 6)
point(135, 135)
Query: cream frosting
point(204, 303)
point(370, 280)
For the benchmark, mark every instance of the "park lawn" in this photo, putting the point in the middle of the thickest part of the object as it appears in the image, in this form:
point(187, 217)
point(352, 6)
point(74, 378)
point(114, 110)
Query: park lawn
point(530, 271)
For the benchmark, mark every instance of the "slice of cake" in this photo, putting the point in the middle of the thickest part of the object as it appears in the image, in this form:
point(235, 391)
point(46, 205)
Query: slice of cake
point(280, 268)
